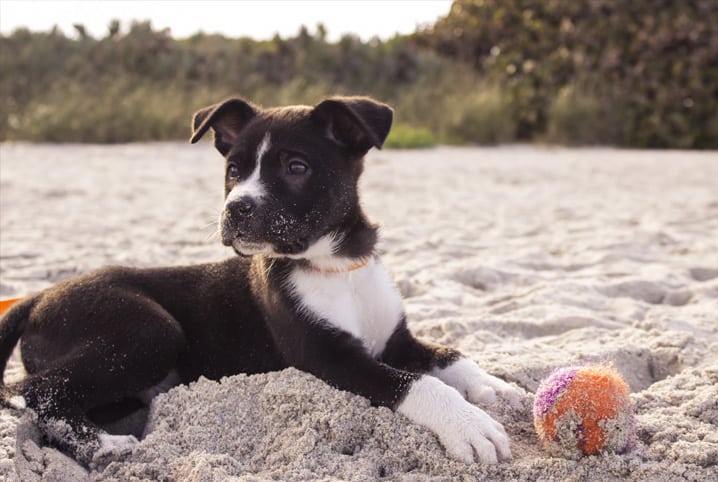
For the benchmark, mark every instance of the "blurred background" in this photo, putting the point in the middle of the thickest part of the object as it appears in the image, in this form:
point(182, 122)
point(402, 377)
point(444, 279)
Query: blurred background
point(640, 73)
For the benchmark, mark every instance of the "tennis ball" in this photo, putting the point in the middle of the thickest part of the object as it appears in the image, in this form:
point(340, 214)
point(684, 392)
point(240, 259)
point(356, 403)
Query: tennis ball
point(584, 411)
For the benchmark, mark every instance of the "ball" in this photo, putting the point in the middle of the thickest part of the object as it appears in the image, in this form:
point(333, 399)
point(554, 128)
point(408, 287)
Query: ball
point(584, 411)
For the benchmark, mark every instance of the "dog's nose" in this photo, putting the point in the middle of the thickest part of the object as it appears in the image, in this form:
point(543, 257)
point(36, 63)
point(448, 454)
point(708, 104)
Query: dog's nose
point(244, 206)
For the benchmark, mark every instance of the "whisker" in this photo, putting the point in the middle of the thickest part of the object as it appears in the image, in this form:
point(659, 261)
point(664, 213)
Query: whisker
point(215, 234)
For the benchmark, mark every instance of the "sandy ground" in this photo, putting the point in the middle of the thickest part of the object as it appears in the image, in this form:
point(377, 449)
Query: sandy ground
point(524, 258)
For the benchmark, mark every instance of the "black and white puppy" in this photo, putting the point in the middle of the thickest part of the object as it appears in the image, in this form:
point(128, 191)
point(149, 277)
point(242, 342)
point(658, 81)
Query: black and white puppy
point(308, 291)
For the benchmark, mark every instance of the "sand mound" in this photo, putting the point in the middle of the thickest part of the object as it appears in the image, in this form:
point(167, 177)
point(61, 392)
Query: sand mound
point(525, 259)
point(291, 426)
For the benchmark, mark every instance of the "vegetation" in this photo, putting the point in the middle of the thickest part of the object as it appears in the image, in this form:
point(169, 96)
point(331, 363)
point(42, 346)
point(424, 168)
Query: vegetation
point(640, 74)
point(403, 136)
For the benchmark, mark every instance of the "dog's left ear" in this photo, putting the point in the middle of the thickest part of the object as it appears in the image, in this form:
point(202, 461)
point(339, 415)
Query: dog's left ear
point(356, 123)
point(226, 120)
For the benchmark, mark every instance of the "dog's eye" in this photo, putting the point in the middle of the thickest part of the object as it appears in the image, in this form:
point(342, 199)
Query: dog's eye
point(232, 170)
point(297, 167)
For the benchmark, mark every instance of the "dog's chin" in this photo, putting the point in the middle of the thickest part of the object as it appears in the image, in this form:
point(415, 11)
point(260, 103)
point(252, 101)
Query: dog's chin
point(278, 250)
point(246, 248)
point(291, 248)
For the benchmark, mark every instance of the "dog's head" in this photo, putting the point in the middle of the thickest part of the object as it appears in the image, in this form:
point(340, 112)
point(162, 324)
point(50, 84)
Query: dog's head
point(292, 172)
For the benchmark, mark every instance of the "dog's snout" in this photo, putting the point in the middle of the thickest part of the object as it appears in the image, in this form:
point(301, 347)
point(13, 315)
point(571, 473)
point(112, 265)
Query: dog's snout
point(242, 206)
point(238, 219)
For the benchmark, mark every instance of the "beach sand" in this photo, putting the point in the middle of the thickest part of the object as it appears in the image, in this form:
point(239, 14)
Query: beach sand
point(523, 258)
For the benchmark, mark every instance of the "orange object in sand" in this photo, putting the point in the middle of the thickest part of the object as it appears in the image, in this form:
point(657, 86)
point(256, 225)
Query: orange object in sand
point(584, 411)
point(7, 304)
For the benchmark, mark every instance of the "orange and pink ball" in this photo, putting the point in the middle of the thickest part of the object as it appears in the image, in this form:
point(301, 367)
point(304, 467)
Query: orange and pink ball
point(584, 411)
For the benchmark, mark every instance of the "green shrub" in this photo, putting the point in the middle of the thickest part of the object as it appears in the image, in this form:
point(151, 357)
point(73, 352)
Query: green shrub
point(576, 117)
point(404, 136)
point(570, 71)
point(483, 115)
point(652, 66)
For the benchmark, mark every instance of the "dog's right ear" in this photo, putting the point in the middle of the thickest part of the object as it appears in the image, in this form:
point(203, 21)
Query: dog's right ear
point(226, 120)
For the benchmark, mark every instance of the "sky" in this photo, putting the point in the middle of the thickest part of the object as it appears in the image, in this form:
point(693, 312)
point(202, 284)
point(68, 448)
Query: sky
point(252, 18)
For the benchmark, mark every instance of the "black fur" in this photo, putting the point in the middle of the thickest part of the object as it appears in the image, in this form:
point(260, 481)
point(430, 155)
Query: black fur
point(405, 352)
point(109, 335)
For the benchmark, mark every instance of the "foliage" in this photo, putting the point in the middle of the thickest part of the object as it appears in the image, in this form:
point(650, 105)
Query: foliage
point(651, 65)
point(482, 115)
point(144, 85)
point(403, 136)
point(577, 117)
point(642, 74)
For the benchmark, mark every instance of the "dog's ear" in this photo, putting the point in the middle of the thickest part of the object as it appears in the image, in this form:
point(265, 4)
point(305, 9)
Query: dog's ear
point(226, 120)
point(356, 123)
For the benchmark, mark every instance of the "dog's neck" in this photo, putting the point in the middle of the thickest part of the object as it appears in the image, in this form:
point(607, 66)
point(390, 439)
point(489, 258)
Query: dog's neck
point(344, 269)
point(332, 265)
point(357, 237)
point(353, 245)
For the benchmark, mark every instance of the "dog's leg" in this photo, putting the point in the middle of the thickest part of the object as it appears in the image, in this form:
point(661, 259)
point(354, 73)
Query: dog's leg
point(60, 410)
point(338, 358)
point(405, 352)
point(137, 354)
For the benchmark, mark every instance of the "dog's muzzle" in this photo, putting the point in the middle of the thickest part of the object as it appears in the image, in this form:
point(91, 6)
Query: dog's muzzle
point(250, 231)
point(235, 218)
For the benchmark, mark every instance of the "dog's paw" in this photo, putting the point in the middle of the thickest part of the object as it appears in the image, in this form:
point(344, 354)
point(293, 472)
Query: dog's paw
point(117, 442)
point(112, 448)
point(468, 433)
point(17, 402)
point(476, 385)
point(115, 445)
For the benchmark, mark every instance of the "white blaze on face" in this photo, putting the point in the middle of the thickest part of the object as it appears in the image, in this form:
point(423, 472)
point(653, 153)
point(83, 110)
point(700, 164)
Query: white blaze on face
point(252, 187)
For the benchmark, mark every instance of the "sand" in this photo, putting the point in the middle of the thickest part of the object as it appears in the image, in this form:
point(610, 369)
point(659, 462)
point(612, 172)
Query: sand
point(524, 258)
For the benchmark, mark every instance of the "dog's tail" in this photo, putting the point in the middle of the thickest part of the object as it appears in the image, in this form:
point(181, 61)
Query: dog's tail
point(12, 324)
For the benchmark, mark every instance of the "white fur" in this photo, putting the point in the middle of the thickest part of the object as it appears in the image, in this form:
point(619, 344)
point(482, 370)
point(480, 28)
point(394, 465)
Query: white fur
point(321, 248)
point(475, 384)
point(364, 302)
point(116, 442)
point(467, 432)
point(321, 254)
point(253, 186)
point(250, 249)
point(17, 402)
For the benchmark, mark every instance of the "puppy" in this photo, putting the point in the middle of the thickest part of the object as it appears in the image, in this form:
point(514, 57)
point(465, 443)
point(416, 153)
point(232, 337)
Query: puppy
point(307, 290)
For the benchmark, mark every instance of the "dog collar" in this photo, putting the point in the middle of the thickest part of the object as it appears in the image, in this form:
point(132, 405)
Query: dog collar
point(352, 267)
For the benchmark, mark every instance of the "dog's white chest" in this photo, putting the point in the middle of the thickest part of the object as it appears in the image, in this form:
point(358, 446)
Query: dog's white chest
point(364, 302)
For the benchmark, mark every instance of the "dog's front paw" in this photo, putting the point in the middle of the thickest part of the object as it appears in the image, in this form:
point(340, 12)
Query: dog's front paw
point(467, 432)
point(476, 385)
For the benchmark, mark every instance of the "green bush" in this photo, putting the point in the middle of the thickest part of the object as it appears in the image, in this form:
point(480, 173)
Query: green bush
point(144, 85)
point(403, 136)
point(482, 116)
point(577, 117)
point(638, 73)
point(656, 62)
